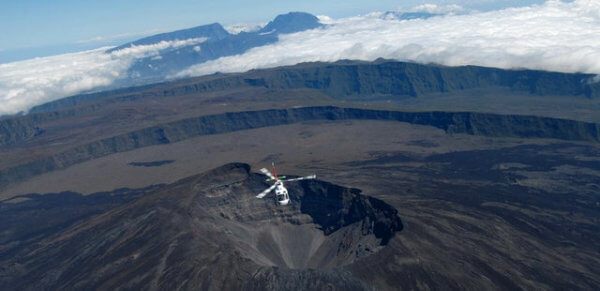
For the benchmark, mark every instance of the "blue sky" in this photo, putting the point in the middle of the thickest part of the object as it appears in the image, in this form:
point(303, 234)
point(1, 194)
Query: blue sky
point(30, 28)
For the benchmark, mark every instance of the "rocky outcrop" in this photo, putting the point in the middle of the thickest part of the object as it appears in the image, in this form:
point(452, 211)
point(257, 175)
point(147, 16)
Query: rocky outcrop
point(19, 129)
point(452, 122)
point(204, 232)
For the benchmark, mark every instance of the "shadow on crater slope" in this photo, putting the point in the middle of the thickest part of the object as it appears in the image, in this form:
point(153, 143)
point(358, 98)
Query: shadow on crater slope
point(208, 232)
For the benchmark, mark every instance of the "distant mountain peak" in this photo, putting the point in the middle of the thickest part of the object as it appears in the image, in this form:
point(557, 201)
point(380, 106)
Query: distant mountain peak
point(292, 22)
point(213, 41)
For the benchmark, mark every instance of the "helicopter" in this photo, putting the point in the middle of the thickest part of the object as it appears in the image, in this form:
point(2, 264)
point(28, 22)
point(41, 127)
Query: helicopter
point(281, 193)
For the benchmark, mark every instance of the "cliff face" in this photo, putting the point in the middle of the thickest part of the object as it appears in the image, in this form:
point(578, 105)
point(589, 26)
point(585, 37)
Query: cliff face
point(347, 79)
point(344, 80)
point(415, 80)
point(18, 129)
point(452, 122)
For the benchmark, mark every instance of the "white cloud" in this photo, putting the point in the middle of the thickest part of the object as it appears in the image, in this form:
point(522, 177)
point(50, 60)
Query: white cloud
point(25, 84)
point(244, 27)
point(595, 79)
point(557, 36)
point(324, 19)
point(438, 9)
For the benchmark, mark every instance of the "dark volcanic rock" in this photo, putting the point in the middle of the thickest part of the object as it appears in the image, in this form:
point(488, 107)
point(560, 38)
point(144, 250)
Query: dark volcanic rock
point(16, 130)
point(25, 219)
point(204, 232)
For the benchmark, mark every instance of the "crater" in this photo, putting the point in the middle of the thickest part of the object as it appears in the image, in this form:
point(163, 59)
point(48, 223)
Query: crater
point(324, 226)
point(204, 228)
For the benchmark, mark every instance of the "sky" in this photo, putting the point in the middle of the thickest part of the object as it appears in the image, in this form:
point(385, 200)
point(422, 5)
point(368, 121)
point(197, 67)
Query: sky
point(35, 28)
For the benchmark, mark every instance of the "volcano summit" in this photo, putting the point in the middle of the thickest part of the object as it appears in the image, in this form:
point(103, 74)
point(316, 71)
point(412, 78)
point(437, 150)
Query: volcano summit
point(207, 230)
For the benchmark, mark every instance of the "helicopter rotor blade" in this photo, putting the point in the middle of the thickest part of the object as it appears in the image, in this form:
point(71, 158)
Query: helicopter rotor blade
point(302, 178)
point(264, 193)
point(268, 173)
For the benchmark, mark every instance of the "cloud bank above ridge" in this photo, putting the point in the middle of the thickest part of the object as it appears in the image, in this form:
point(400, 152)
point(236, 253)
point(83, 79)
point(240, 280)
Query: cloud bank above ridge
point(25, 84)
point(556, 36)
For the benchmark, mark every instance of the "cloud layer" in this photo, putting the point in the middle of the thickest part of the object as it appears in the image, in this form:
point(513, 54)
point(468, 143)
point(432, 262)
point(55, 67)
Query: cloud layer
point(557, 36)
point(25, 84)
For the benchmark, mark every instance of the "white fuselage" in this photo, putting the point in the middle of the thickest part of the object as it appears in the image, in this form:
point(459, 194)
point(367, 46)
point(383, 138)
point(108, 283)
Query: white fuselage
point(282, 193)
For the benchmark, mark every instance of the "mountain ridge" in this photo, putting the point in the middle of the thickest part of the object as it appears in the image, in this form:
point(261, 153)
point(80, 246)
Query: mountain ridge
point(426, 78)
